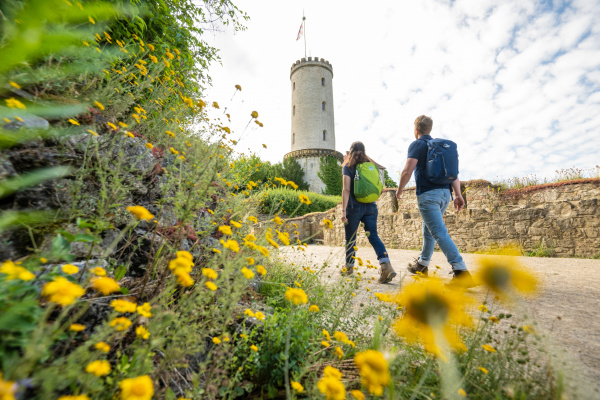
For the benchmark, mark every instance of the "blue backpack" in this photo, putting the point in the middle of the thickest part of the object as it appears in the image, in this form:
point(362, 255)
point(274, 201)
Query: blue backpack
point(442, 162)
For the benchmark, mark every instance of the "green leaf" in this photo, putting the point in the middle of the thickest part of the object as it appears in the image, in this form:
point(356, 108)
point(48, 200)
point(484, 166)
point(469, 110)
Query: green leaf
point(84, 223)
point(61, 248)
point(120, 272)
point(13, 218)
point(84, 237)
point(124, 290)
point(67, 235)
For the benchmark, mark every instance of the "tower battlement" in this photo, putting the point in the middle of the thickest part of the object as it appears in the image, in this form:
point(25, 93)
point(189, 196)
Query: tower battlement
point(311, 61)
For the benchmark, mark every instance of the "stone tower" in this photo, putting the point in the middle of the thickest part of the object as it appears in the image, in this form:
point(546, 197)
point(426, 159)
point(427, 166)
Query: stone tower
point(313, 131)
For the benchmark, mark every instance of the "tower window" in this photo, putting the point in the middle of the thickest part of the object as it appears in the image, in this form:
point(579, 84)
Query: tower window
point(324, 135)
point(323, 106)
point(322, 81)
point(293, 138)
point(294, 86)
point(293, 110)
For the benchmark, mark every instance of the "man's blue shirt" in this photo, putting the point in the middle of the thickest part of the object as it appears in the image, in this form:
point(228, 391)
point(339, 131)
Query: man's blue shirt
point(418, 150)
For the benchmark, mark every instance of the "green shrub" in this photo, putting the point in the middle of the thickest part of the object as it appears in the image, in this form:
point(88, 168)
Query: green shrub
point(287, 201)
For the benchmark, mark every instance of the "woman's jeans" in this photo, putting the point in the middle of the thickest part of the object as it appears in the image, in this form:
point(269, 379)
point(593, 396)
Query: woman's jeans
point(432, 206)
point(367, 214)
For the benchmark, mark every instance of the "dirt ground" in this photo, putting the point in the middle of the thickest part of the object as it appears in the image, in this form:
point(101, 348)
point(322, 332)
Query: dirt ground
point(566, 307)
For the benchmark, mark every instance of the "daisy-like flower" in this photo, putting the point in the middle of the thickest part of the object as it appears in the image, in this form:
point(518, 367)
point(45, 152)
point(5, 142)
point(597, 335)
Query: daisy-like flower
point(296, 296)
point(140, 213)
point(99, 105)
point(105, 285)
point(98, 271)
point(231, 245)
point(14, 271)
point(263, 250)
point(98, 368)
point(494, 319)
point(14, 103)
point(304, 199)
point(76, 327)
point(339, 352)
point(73, 122)
point(144, 310)
point(261, 270)
point(259, 315)
point(254, 114)
point(374, 370)
point(248, 274)
point(120, 323)
point(332, 388)
point(357, 394)
point(69, 269)
point(327, 223)
point(103, 347)
point(62, 291)
point(485, 371)
point(216, 340)
point(139, 388)
point(225, 230)
point(298, 388)
point(504, 274)
point(313, 308)
point(123, 306)
point(211, 286)
point(112, 126)
point(210, 273)
point(488, 348)
point(142, 332)
point(254, 348)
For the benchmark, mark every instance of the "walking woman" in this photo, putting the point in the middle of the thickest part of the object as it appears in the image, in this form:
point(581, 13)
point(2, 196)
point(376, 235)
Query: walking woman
point(354, 213)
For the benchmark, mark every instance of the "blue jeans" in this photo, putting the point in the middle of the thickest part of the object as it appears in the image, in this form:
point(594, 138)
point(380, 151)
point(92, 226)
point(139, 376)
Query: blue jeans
point(432, 206)
point(367, 214)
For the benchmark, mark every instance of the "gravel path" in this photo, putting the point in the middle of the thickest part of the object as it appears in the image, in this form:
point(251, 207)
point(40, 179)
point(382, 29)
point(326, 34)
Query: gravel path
point(566, 306)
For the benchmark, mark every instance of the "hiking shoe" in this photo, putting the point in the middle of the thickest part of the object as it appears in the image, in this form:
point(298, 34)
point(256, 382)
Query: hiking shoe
point(347, 270)
point(386, 272)
point(462, 278)
point(415, 267)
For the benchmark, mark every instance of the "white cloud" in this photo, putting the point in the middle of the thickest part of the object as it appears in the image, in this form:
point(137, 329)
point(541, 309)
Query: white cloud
point(515, 84)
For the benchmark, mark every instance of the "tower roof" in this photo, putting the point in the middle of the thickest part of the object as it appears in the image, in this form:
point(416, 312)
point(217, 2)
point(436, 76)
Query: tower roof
point(311, 61)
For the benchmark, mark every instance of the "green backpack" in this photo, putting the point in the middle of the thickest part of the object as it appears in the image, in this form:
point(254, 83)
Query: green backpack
point(367, 185)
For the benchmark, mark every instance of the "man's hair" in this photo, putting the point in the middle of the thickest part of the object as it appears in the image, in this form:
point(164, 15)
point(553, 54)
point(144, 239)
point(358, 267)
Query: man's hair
point(357, 155)
point(423, 123)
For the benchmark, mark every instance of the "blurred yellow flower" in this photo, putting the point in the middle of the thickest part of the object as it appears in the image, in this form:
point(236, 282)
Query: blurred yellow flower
point(247, 273)
point(98, 368)
point(326, 334)
point(149, 146)
point(304, 199)
point(140, 213)
point(183, 278)
point(62, 291)
point(92, 20)
point(238, 87)
point(250, 261)
point(92, 132)
point(339, 352)
point(216, 340)
point(327, 223)
point(325, 343)
point(14, 103)
point(254, 114)
point(70, 397)
point(123, 124)
point(374, 371)
point(15, 271)
point(170, 134)
point(103, 347)
point(296, 296)
point(489, 348)
point(123, 306)
point(144, 310)
point(69, 269)
point(105, 285)
point(211, 286)
point(215, 104)
point(357, 394)
point(313, 308)
point(14, 84)
point(462, 392)
point(485, 371)
point(76, 327)
point(139, 388)
point(231, 245)
point(254, 348)
point(264, 145)
point(99, 105)
point(225, 230)
point(72, 121)
point(235, 224)
point(482, 308)
point(142, 332)
point(494, 319)
point(98, 271)
point(259, 315)
point(210, 273)
point(504, 274)
point(332, 388)
point(120, 323)
point(217, 251)
point(150, 46)
point(111, 125)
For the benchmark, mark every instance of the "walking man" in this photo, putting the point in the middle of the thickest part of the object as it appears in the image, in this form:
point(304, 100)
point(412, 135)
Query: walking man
point(433, 199)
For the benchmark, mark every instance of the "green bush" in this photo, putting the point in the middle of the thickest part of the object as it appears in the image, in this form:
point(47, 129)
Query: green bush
point(287, 201)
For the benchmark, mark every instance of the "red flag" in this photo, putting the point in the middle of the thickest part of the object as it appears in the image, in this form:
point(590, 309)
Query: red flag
point(300, 31)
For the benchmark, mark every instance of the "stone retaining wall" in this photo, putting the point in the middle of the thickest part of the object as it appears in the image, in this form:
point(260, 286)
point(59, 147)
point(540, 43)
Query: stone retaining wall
point(563, 218)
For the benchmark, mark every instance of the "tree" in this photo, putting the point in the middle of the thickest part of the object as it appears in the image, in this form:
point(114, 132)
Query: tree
point(330, 173)
point(389, 182)
point(290, 170)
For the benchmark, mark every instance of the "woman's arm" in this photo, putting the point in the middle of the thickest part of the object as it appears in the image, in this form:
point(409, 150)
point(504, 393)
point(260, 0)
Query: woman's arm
point(345, 196)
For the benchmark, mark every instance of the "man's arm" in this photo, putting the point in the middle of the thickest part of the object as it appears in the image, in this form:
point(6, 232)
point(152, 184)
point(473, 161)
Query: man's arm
point(345, 195)
point(459, 202)
point(411, 164)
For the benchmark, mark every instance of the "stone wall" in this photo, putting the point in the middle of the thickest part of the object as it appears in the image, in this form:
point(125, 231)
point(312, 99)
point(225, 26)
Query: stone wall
point(563, 218)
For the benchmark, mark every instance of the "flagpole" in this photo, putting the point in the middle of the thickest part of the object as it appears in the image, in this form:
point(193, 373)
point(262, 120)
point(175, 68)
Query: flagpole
point(304, 21)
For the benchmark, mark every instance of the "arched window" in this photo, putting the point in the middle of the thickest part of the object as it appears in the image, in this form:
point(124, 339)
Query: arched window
point(323, 106)
point(293, 138)
point(293, 110)
point(322, 81)
point(294, 86)
point(324, 135)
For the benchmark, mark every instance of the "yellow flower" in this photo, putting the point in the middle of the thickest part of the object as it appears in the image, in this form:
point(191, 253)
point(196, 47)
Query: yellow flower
point(103, 347)
point(216, 251)
point(261, 270)
point(296, 296)
point(313, 308)
point(249, 312)
point(327, 223)
point(215, 104)
point(14, 103)
point(374, 371)
point(140, 213)
point(238, 87)
point(149, 146)
point(284, 238)
point(326, 334)
point(170, 134)
point(80, 397)
point(211, 286)
point(69, 269)
point(92, 132)
point(264, 145)
point(504, 274)
point(131, 135)
point(295, 385)
point(216, 340)
point(105, 285)
point(144, 310)
point(485, 371)
point(304, 199)
point(494, 319)
point(252, 219)
point(183, 278)
point(247, 273)
point(123, 306)
point(529, 329)
point(462, 392)
point(72, 121)
point(431, 312)
point(139, 388)
point(151, 47)
point(250, 260)
point(263, 250)
point(225, 230)
point(98, 368)
point(277, 220)
point(332, 388)
point(76, 327)
point(339, 352)
point(235, 223)
point(232, 245)
point(99, 105)
point(111, 125)
point(173, 151)
point(122, 124)
point(357, 394)
point(62, 291)
point(15, 271)
point(14, 84)
point(153, 58)
point(210, 273)
point(489, 348)
point(259, 315)
point(120, 323)
point(482, 308)
point(254, 348)
point(98, 271)
point(92, 20)
point(254, 114)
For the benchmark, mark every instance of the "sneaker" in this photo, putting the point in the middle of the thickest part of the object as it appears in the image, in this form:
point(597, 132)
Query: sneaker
point(347, 270)
point(386, 273)
point(415, 267)
point(462, 278)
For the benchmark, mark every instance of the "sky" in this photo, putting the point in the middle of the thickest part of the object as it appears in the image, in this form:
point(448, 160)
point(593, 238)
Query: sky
point(515, 83)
